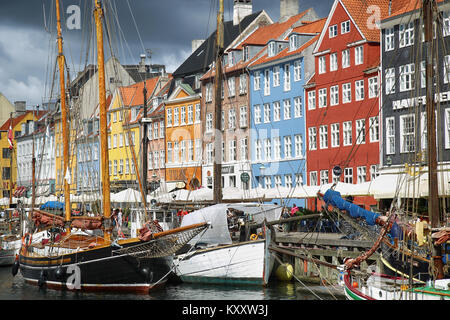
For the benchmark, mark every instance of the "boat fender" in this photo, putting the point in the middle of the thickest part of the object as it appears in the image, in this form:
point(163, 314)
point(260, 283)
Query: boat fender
point(42, 278)
point(15, 267)
point(254, 236)
point(59, 273)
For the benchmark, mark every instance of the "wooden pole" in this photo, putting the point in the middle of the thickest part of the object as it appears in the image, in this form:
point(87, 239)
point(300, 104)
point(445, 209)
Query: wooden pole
point(217, 192)
point(98, 12)
point(64, 118)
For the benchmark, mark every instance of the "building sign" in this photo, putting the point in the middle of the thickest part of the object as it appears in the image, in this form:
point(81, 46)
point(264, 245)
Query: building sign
point(227, 169)
point(418, 101)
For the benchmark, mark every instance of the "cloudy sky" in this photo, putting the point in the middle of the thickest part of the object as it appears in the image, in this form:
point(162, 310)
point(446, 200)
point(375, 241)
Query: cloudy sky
point(165, 27)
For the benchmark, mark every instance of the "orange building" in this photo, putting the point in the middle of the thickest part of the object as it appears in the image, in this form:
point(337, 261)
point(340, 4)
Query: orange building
point(183, 139)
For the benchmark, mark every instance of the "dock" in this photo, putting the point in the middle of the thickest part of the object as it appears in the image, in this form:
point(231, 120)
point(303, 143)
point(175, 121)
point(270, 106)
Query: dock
point(315, 255)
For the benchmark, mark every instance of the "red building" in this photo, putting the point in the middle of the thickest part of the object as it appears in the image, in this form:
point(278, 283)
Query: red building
point(342, 104)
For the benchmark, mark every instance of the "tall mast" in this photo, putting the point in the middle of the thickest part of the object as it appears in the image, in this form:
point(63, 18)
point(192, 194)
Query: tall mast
point(218, 108)
point(433, 200)
point(144, 144)
point(98, 12)
point(33, 170)
point(64, 111)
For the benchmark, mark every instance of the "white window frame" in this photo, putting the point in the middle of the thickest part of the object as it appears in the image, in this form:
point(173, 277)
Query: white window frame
point(347, 92)
point(333, 61)
point(332, 31)
point(389, 43)
point(406, 34)
point(359, 90)
point(373, 87)
point(298, 107)
point(312, 138)
point(297, 70)
point(360, 125)
point(389, 80)
point(345, 58)
point(276, 76)
point(404, 136)
point(374, 129)
point(347, 133)
point(287, 109)
point(322, 65)
point(335, 135)
point(312, 100)
point(323, 134)
point(298, 146)
point(323, 98)
point(345, 27)
point(390, 135)
point(359, 55)
point(334, 95)
point(276, 111)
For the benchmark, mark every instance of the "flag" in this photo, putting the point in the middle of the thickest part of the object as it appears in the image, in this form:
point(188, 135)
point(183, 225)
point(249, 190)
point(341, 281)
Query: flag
point(10, 137)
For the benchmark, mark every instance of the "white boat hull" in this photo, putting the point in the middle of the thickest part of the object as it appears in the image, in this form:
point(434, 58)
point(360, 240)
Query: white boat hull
point(242, 263)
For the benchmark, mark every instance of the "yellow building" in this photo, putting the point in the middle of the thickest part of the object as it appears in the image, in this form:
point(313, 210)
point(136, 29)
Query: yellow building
point(8, 164)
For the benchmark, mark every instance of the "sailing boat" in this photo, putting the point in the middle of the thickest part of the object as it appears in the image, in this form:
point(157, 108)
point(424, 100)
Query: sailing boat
point(420, 247)
point(85, 261)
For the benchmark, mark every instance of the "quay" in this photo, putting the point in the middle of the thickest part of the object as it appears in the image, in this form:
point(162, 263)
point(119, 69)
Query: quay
point(314, 256)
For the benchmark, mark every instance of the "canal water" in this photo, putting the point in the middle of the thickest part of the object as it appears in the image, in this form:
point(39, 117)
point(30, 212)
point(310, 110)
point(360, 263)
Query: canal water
point(15, 288)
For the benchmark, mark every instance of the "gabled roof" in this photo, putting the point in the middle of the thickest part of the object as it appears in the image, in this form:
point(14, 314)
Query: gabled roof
point(133, 95)
point(363, 15)
point(400, 7)
point(200, 60)
point(19, 118)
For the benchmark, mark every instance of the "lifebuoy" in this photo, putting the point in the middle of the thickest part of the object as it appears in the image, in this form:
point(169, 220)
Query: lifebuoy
point(254, 236)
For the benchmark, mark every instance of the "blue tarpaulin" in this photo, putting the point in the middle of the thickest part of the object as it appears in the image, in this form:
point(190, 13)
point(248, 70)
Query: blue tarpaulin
point(53, 205)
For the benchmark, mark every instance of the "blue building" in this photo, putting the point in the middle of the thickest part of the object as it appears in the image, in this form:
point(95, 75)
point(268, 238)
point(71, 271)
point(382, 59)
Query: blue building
point(88, 158)
point(277, 105)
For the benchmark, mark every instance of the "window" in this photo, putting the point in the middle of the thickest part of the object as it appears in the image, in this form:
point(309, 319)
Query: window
point(346, 93)
point(176, 152)
point(323, 132)
point(311, 100)
point(258, 150)
point(389, 39)
point(268, 182)
point(232, 150)
point(447, 69)
point(406, 34)
point(276, 76)
point(298, 180)
point(361, 174)
point(257, 81)
point(334, 95)
point(287, 147)
point(373, 87)
point(293, 42)
point(266, 113)
point(298, 145)
point(287, 109)
point(313, 178)
point(287, 77)
point(243, 117)
point(277, 148)
point(332, 31)
point(390, 135)
point(346, 58)
point(243, 84)
point(390, 80)
point(447, 128)
point(169, 117)
point(322, 65)
point(208, 92)
point(359, 90)
point(183, 115)
point(277, 181)
point(190, 114)
point(257, 113)
point(231, 87)
point(209, 122)
point(446, 23)
point(149, 160)
point(115, 141)
point(298, 111)
point(232, 119)
point(271, 49)
point(335, 135)
point(190, 150)
point(348, 175)
point(333, 62)
point(183, 150)
point(297, 70)
point(347, 133)
point(312, 138)
point(345, 27)
point(324, 177)
point(244, 148)
point(374, 129)
point(266, 82)
point(360, 131)
point(267, 149)
point(155, 132)
point(198, 149)
point(175, 116)
point(222, 121)
point(288, 181)
point(407, 125)
point(197, 113)
point(276, 111)
point(407, 77)
point(359, 58)
point(322, 98)
point(209, 153)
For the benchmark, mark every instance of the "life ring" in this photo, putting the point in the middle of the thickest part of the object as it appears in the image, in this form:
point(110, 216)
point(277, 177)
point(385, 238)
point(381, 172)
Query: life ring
point(26, 240)
point(254, 236)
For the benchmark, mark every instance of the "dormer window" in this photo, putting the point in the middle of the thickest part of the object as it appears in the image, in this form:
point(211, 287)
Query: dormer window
point(293, 42)
point(272, 49)
point(231, 58)
point(246, 53)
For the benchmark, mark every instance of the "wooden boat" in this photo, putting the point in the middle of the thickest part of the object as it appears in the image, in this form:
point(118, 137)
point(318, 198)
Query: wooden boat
point(216, 258)
point(89, 259)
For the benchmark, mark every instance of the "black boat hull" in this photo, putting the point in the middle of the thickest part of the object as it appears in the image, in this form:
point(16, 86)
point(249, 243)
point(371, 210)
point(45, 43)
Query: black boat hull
point(96, 270)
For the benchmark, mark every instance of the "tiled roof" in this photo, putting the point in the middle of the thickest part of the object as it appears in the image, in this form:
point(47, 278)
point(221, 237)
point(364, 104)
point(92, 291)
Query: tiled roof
point(19, 118)
point(364, 14)
point(133, 95)
point(403, 6)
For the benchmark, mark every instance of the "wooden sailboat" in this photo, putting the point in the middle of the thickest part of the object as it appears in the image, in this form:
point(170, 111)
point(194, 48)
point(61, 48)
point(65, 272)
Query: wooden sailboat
point(86, 261)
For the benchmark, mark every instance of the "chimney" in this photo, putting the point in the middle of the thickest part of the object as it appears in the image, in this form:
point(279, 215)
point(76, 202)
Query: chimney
point(242, 8)
point(196, 44)
point(288, 8)
point(142, 64)
point(20, 105)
